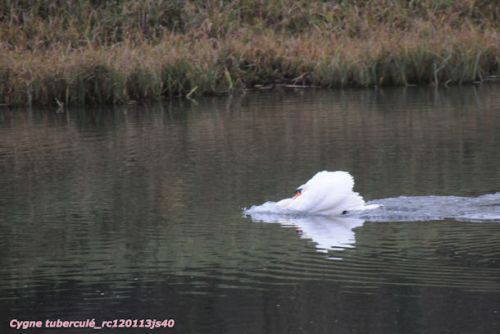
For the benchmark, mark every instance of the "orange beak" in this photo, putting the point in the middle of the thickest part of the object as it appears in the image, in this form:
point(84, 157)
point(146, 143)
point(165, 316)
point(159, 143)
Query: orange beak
point(297, 194)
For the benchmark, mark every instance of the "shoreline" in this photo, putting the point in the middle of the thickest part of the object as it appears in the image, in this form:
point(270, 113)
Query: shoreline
point(225, 49)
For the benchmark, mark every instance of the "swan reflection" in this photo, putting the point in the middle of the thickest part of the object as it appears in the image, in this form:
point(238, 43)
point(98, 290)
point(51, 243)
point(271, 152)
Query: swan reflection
point(326, 232)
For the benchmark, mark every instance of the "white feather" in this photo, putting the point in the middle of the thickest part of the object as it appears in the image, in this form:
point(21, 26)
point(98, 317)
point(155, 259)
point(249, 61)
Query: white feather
point(326, 193)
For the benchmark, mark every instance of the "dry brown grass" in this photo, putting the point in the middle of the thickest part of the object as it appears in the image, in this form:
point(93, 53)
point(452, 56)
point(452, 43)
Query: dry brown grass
point(78, 53)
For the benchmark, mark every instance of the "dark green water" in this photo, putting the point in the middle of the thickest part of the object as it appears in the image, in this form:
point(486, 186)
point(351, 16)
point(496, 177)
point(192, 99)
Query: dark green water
point(135, 212)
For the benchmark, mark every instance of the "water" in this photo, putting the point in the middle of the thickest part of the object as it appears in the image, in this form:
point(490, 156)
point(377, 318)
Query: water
point(136, 212)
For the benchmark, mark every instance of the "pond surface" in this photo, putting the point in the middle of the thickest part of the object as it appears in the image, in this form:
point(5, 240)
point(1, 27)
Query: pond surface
point(136, 212)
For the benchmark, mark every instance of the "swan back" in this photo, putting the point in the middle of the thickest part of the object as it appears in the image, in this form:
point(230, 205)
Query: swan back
point(326, 193)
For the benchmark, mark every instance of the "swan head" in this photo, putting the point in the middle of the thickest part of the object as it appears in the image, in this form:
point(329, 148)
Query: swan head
point(298, 192)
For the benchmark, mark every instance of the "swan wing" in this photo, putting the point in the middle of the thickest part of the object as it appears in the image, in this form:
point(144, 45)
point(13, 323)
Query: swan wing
point(328, 193)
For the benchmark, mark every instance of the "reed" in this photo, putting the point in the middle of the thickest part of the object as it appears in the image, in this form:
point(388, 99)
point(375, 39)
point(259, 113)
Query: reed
point(87, 52)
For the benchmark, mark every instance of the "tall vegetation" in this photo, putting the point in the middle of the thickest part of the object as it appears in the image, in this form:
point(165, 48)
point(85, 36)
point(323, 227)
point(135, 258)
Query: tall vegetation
point(81, 52)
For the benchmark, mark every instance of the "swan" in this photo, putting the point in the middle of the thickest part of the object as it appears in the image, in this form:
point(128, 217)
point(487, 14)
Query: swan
point(330, 194)
point(326, 193)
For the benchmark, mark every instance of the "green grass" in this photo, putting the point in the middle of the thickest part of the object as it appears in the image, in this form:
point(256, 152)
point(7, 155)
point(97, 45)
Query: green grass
point(90, 52)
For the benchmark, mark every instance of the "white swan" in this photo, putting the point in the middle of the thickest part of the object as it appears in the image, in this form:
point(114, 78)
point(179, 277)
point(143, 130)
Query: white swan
point(326, 193)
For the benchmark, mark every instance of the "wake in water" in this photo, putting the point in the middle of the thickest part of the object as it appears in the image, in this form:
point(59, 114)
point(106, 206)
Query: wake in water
point(336, 232)
point(418, 208)
point(405, 208)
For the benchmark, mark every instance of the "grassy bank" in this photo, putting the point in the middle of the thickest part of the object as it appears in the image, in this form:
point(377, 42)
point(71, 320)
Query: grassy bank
point(82, 52)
